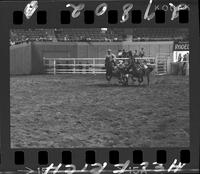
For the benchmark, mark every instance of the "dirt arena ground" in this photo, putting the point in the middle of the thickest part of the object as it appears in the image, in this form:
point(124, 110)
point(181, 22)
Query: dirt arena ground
point(85, 111)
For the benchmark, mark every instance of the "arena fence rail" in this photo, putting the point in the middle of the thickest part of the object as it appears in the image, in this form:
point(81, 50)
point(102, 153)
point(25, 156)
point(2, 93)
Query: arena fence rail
point(162, 64)
point(83, 65)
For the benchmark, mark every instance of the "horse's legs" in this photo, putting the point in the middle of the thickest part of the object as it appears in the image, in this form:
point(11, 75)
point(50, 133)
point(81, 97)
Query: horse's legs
point(132, 77)
point(120, 77)
point(109, 81)
point(148, 79)
point(140, 79)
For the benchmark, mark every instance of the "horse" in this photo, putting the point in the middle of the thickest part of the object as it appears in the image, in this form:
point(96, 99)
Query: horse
point(112, 70)
point(139, 71)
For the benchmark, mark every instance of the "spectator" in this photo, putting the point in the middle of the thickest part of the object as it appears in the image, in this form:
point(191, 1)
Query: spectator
point(183, 68)
point(131, 58)
point(27, 40)
point(141, 54)
point(88, 39)
point(124, 54)
point(130, 54)
point(184, 57)
point(187, 57)
point(12, 42)
point(179, 57)
point(135, 54)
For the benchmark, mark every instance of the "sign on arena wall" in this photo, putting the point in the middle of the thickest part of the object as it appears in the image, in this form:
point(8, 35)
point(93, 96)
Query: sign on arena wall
point(181, 46)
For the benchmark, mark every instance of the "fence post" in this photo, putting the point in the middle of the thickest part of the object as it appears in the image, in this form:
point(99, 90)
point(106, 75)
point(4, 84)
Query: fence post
point(93, 66)
point(54, 66)
point(74, 66)
point(44, 65)
point(156, 68)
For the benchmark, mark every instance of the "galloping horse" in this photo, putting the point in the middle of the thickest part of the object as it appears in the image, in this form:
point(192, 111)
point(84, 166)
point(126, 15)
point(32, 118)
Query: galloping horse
point(112, 70)
point(136, 70)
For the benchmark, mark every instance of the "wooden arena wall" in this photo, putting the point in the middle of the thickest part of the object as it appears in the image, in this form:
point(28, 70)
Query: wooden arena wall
point(28, 58)
point(20, 59)
point(99, 49)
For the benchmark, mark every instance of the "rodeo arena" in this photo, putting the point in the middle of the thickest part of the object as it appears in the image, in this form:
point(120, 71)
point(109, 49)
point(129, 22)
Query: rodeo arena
point(99, 87)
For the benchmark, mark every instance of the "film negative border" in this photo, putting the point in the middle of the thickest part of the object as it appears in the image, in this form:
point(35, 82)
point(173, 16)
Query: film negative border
point(137, 160)
point(54, 14)
point(137, 157)
point(100, 14)
point(89, 15)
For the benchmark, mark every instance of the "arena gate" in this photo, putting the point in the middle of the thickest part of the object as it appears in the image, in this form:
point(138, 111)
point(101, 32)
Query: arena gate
point(96, 65)
point(163, 64)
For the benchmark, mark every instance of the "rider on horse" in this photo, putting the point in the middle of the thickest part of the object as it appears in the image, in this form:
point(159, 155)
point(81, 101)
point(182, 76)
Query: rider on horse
point(131, 58)
point(144, 64)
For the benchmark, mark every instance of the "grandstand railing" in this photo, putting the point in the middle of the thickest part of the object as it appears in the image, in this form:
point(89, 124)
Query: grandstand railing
point(83, 65)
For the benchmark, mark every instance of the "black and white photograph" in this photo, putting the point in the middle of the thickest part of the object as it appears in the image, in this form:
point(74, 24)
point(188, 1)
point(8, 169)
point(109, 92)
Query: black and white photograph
point(99, 87)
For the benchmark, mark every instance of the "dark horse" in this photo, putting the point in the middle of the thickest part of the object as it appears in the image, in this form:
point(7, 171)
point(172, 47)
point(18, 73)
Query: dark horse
point(112, 70)
point(139, 71)
point(136, 70)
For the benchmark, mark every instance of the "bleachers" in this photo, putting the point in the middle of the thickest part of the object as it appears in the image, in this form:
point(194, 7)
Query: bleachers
point(86, 35)
point(148, 34)
point(19, 36)
point(96, 35)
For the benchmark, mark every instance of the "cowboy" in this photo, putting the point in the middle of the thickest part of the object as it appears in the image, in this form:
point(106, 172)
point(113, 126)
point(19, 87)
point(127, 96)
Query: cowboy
point(135, 54)
point(137, 62)
point(145, 64)
point(141, 54)
point(111, 57)
point(131, 59)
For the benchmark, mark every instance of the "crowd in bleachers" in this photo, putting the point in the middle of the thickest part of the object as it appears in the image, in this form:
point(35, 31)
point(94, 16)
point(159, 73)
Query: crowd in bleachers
point(95, 35)
point(165, 34)
point(18, 36)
